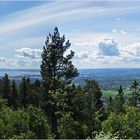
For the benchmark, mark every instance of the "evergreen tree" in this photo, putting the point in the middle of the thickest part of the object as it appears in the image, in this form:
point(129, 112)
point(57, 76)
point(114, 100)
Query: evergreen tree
point(14, 94)
point(134, 99)
point(34, 98)
point(24, 89)
point(79, 104)
point(7, 89)
point(110, 105)
point(94, 105)
point(56, 66)
point(37, 84)
point(57, 71)
point(92, 87)
point(71, 129)
point(35, 94)
point(1, 89)
point(110, 101)
point(119, 101)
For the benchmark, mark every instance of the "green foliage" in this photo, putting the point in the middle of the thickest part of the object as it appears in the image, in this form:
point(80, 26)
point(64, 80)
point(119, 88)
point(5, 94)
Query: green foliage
point(26, 135)
point(24, 91)
point(57, 71)
point(113, 93)
point(70, 129)
point(12, 123)
point(22, 123)
point(14, 95)
point(134, 99)
point(125, 126)
point(38, 123)
point(105, 136)
point(119, 101)
point(57, 108)
point(107, 93)
point(35, 93)
point(6, 89)
point(61, 102)
point(94, 94)
point(94, 106)
point(110, 106)
point(79, 104)
point(56, 67)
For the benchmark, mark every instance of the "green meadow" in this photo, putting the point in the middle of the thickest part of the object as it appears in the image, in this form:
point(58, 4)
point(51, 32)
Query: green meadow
point(107, 93)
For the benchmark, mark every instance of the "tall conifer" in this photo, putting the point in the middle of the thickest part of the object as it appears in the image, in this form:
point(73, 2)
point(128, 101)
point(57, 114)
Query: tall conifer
point(57, 71)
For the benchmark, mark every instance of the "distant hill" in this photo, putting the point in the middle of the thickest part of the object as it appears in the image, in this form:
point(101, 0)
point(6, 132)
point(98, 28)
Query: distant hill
point(107, 78)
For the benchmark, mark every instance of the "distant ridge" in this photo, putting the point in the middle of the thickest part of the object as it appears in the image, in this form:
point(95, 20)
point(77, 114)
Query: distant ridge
point(108, 78)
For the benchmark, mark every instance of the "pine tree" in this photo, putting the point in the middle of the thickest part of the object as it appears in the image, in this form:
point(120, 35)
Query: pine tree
point(37, 84)
point(14, 94)
point(110, 101)
point(24, 89)
point(7, 89)
point(119, 101)
point(94, 105)
point(34, 97)
point(55, 65)
point(110, 105)
point(93, 88)
point(134, 99)
point(57, 70)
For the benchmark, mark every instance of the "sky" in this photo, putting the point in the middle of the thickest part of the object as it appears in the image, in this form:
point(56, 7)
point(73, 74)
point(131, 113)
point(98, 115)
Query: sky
point(103, 34)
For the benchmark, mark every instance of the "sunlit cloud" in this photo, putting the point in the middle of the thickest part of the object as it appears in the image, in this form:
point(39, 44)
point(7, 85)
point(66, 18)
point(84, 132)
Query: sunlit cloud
point(91, 27)
point(29, 53)
point(123, 32)
point(114, 31)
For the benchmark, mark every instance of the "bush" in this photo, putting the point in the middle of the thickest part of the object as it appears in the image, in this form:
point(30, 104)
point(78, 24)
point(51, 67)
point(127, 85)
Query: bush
point(70, 129)
point(123, 125)
point(23, 123)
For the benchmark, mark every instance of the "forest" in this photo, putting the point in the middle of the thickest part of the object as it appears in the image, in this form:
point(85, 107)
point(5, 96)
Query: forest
point(57, 108)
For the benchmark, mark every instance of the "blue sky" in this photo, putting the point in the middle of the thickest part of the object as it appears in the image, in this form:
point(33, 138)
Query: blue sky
point(104, 34)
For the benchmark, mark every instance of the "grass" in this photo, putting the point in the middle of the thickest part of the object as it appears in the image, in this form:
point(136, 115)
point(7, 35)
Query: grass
point(107, 93)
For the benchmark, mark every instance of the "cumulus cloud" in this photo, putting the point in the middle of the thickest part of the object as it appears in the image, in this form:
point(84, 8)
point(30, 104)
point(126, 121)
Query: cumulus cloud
point(114, 30)
point(109, 53)
point(123, 32)
point(2, 59)
point(119, 31)
point(108, 47)
point(132, 49)
point(28, 53)
point(81, 55)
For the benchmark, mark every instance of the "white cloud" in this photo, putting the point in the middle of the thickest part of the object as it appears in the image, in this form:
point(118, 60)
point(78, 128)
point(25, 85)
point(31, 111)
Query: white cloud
point(28, 53)
point(81, 55)
point(112, 53)
point(123, 32)
point(132, 50)
point(108, 47)
point(22, 29)
point(114, 31)
point(47, 12)
point(2, 59)
point(109, 53)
